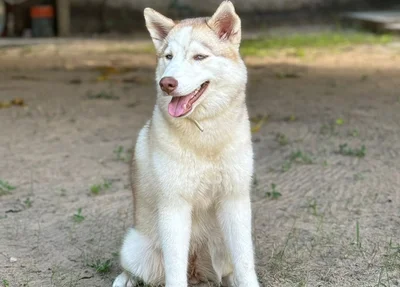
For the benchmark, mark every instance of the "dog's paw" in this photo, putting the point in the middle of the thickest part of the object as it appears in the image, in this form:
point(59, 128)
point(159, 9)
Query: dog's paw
point(123, 280)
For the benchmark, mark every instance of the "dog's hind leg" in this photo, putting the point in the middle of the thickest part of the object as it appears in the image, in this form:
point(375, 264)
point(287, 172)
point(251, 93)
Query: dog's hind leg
point(140, 259)
point(221, 261)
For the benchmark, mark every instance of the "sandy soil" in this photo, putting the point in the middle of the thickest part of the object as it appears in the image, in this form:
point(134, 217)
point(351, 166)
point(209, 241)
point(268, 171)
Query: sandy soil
point(335, 219)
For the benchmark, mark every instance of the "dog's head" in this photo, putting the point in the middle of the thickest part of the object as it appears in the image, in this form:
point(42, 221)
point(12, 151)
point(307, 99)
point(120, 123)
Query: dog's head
point(200, 71)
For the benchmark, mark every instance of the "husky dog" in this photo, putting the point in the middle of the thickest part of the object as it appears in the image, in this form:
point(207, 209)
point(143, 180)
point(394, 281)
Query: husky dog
point(193, 161)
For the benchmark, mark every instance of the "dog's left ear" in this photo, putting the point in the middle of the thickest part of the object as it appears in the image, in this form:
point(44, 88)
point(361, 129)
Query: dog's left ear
point(226, 23)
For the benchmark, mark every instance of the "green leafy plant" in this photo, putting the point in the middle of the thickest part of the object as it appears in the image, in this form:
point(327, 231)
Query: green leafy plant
point(5, 187)
point(28, 202)
point(101, 266)
point(97, 188)
point(273, 193)
point(78, 217)
point(345, 150)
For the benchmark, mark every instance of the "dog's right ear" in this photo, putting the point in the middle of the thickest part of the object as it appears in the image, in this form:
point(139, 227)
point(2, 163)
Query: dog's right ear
point(158, 25)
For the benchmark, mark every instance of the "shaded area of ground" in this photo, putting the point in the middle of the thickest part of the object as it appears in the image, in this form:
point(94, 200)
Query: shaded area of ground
point(335, 217)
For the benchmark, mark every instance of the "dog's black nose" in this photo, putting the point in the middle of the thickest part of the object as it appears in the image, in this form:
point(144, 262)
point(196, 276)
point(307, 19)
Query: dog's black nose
point(168, 84)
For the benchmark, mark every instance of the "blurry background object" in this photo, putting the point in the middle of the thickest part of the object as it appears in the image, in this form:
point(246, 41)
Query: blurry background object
point(42, 17)
point(37, 18)
point(2, 17)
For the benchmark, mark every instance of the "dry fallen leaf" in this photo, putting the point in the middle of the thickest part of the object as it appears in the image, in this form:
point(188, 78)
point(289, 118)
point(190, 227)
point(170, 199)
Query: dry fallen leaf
point(106, 72)
point(259, 121)
point(14, 102)
point(4, 105)
point(18, 102)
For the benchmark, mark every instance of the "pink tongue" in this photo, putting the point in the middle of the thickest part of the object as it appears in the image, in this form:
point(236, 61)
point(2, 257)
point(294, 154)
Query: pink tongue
point(176, 106)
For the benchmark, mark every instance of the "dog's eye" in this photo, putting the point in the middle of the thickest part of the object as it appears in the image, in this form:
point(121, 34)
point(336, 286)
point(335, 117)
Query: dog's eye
point(169, 56)
point(200, 57)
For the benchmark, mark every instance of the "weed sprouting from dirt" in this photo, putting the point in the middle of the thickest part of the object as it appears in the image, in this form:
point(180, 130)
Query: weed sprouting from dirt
point(300, 157)
point(97, 188)
point(28, 202)
point(78, 217)
point(345, 150)
point(101, 266)
point(273, 193)
point(5, 187)
point(6, 283)
point(118, 152)
point(297, 157)
point(123, 155)
point(358, 240)
point(281, 139)
point(312, 205)
point(63, 192)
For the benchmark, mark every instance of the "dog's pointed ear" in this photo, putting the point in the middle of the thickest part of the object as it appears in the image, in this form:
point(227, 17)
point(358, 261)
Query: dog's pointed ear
point(158, 25)
point(226, 23)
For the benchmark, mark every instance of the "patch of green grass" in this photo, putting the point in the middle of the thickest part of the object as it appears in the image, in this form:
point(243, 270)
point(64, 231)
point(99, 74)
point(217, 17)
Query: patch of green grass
point(345, 150)
point(5, 187)
point(97, 188)
point(6, 283)
point(101, 266)
point(273, 193)
point(263, 46)
point(78, 217)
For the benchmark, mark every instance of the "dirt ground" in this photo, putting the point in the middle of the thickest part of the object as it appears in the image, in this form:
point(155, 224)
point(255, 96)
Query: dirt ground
point(324, 215)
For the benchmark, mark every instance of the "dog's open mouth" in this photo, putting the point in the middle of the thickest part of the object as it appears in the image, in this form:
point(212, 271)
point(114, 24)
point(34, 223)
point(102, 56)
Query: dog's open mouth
point(181, 105)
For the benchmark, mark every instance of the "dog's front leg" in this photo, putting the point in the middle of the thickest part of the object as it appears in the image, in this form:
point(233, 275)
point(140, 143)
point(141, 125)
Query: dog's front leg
point(234, 215)
point(174, 226)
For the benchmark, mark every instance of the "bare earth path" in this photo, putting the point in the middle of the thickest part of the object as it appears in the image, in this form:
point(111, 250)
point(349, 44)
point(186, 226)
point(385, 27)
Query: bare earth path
point(321, 218)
